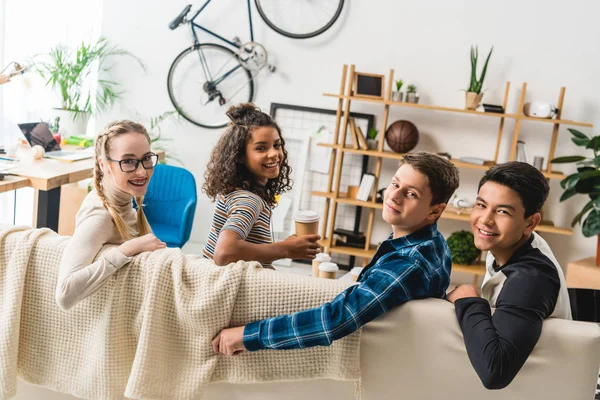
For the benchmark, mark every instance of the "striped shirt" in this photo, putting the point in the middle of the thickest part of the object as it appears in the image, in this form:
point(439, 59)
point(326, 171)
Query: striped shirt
point(243, 212)
point(410, 267)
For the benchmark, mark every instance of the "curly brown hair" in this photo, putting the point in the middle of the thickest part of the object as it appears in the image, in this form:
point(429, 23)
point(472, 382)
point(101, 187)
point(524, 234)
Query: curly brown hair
point(226, 171)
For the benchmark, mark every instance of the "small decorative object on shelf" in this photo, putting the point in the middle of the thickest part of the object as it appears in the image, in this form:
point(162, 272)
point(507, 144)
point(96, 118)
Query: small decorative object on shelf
point(411, 94)
point(398, 95)
point(380, 194)
point(345, 237)
point(372, 142)
point(368, 85)
point(402, 136)
point(462, 248)
point(538, 162)
point(366, 187)
point(477, 161)
point(521, 151)
point(493, 108)
point(474, 95)
point(585, 181)
point(540, 109)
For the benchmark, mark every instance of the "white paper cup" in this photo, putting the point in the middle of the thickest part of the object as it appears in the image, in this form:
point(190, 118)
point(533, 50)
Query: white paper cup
point(307, 222)
point(320, 257)
point(328, 270)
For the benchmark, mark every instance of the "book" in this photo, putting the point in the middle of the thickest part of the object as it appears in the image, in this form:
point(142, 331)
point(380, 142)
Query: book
point(366, 187)
point(477, 161)
point(353, 134)
point(362, 141)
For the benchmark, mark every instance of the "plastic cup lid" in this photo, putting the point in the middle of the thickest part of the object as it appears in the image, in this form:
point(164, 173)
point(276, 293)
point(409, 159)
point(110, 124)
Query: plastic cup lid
point(322, 257)
point(306, 216)
point(328, 267)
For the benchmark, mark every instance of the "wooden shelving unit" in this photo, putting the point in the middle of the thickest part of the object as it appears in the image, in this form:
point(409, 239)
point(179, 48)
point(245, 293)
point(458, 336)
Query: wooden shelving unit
point(339, 148)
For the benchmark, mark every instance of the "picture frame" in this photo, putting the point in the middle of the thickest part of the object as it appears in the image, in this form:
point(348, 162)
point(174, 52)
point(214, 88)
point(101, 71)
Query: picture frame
point(368, 85)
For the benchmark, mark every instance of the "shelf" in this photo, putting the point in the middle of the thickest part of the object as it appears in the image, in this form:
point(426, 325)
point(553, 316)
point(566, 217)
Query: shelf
point(546, 226)
point(462, 110)
point(476, 269)
point(421, 106)
point(398, 156)
point(557, 121)
point(353, 251)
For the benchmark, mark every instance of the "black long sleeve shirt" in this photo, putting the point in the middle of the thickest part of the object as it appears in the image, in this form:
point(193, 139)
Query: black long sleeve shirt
point(527, 289)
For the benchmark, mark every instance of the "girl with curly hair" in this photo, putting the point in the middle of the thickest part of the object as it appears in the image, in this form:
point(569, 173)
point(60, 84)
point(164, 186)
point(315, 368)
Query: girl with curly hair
point(247, 169)
point(122, 171)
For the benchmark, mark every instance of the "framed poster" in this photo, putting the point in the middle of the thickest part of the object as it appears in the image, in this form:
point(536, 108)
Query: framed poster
point(302, 128)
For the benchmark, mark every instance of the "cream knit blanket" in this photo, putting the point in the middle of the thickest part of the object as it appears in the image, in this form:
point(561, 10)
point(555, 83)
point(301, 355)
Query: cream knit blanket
point(147, 332)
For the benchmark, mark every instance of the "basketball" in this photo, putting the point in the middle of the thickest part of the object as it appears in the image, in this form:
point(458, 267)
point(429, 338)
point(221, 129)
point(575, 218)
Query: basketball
point(402, 136)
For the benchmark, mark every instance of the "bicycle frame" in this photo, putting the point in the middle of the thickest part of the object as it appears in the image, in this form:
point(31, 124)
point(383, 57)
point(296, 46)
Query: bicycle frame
point(195, 25)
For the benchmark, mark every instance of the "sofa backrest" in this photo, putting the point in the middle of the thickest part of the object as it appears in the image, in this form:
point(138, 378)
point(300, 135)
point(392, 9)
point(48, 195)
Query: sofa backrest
point(418, 352)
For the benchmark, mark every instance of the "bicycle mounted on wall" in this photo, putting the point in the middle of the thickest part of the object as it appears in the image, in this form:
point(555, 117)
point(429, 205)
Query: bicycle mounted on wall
point(206, 78)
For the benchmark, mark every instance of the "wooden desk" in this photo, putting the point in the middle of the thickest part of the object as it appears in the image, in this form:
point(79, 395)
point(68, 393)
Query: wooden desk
point(47, 176)
point(583, 274)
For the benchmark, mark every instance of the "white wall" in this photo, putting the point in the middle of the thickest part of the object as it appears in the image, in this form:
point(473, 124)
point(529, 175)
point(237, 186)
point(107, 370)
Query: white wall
point(547, 44)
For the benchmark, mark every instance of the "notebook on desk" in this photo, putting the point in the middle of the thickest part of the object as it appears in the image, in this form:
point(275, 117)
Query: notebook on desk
point(38, 133)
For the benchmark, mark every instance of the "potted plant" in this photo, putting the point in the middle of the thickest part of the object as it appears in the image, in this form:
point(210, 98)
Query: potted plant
point(398, 95)
point(474, 95)
point(71, 71)
point(411, 94)
point(372, 142)
point(462, 248)
point(585, 181)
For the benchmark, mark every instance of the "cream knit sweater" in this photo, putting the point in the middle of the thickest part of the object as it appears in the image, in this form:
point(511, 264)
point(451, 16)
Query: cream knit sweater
point(80, 275)
point(146, 333)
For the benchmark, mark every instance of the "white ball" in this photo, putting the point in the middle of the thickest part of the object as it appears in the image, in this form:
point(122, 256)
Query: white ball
point(38, 152)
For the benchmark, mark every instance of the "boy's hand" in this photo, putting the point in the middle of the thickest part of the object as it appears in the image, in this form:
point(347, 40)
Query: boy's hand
point(302, 247)
point(229, 341)
point(461, 292)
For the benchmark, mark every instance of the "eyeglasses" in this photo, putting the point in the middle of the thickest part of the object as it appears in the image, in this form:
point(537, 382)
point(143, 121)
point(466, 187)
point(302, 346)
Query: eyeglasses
point(131, 164)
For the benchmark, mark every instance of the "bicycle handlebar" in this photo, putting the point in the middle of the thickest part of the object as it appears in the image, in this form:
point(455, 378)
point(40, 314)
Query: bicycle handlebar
point(177, 21)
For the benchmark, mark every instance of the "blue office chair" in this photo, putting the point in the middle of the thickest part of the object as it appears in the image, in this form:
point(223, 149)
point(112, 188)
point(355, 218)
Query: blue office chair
point(170, 204)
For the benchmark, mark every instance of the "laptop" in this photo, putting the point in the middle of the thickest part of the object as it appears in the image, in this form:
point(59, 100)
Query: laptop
point(38, 133)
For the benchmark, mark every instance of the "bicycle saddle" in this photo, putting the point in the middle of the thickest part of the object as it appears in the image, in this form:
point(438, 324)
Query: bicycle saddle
point(177, 21)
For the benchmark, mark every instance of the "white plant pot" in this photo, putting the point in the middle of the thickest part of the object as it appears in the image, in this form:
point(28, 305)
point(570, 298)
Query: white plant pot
point(397, 96)
point(70, 123)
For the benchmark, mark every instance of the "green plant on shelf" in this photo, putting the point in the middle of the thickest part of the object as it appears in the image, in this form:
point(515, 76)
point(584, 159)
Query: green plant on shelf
point(585, 181)
point(399, 84)
point(462, 248)
point(411, 89)
point(372, 134)
point(475, 85)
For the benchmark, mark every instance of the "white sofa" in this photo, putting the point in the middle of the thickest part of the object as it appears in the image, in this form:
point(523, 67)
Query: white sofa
point(417, 352)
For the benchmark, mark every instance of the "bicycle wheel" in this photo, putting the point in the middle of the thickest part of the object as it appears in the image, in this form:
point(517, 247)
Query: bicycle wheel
point(299, 19)
point(202, 93)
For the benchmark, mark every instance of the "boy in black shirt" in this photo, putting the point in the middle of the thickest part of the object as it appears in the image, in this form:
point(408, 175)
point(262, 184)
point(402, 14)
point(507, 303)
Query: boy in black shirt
point(524, 282)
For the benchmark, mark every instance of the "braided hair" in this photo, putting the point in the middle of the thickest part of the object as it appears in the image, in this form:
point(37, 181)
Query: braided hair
point(102, 149)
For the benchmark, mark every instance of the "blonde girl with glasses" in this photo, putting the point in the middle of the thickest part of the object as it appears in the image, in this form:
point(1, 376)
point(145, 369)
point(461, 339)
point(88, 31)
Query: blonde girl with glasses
point(123, 167)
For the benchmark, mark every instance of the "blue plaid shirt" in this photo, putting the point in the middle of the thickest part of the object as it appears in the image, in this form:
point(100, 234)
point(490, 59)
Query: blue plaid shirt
point(410, 267)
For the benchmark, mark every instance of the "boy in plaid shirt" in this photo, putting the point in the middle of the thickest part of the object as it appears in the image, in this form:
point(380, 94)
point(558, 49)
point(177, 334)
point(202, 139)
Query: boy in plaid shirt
point(413, 263)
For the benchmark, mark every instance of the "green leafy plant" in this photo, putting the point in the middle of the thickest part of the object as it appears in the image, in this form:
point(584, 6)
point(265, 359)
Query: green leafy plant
point(69, 71)
point(462, 247)
point(411, 89)
point(157, 140)
point(372, 133)
point(475, 85)
point(585, 181)
point(399, 84)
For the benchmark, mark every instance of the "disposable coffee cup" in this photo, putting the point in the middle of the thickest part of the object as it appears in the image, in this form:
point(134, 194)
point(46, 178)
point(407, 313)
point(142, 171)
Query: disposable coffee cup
point(307, 222)
point(319, 258)
point(328, 270)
